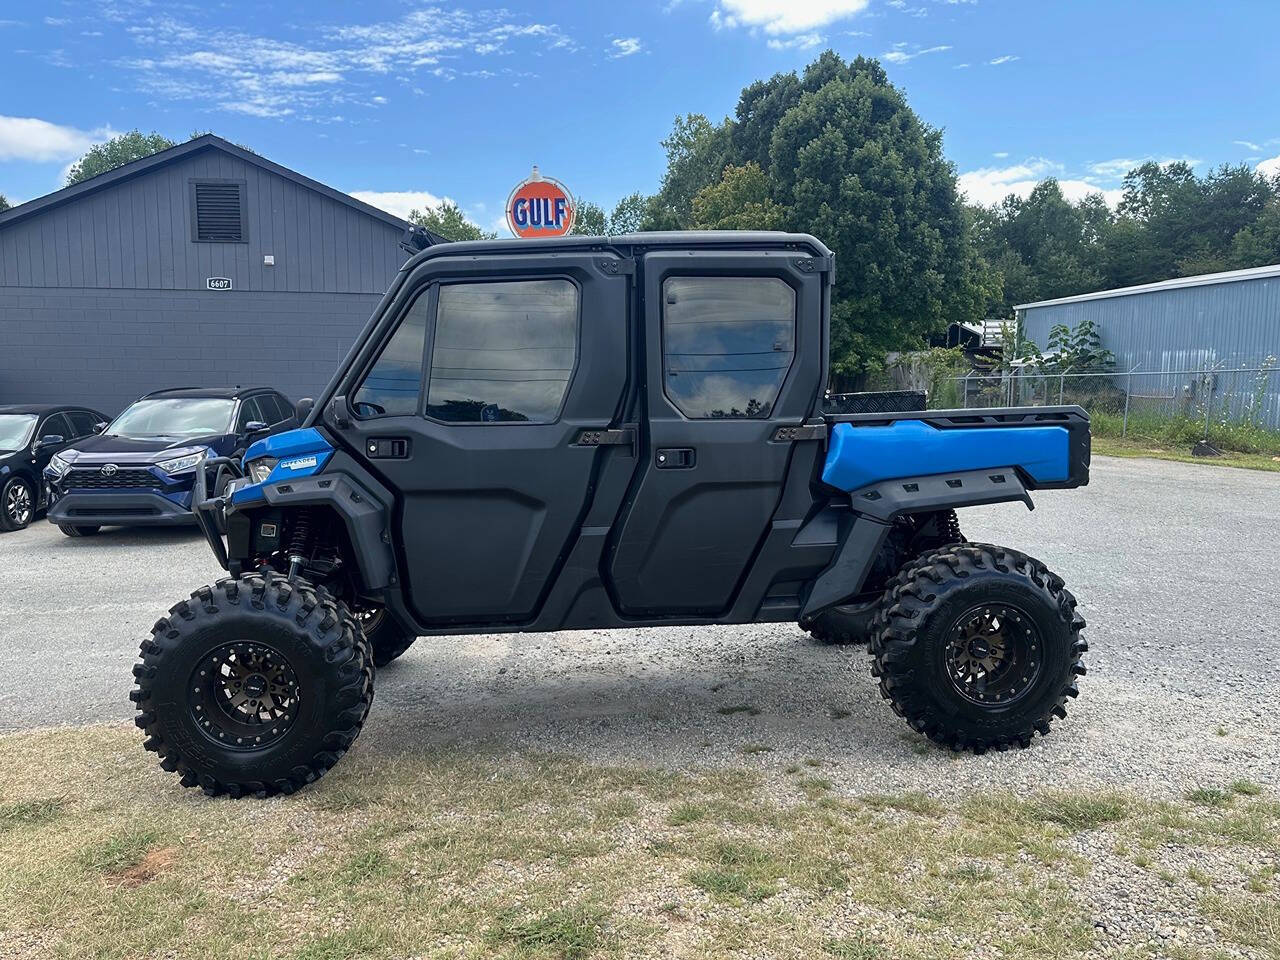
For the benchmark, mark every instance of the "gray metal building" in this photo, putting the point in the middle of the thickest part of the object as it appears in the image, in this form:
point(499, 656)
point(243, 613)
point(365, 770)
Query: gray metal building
point(1194, 342)
point(204, 264)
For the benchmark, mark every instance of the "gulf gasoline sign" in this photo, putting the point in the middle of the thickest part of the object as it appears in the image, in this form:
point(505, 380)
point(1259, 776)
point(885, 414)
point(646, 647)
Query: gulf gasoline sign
point(540, 207)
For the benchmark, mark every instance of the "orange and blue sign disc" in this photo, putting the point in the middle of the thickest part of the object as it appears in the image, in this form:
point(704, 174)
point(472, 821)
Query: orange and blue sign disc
point(540, 207)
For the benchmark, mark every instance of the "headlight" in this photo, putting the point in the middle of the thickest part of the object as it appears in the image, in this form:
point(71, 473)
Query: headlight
point(59, 465)
point(181, 464)
point(261, 468)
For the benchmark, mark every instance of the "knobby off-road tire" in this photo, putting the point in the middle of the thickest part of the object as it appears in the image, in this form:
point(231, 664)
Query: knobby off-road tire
point(855, 623)
point(386, 637)
point(947, 615)
point(68, 530)
point(288, 643)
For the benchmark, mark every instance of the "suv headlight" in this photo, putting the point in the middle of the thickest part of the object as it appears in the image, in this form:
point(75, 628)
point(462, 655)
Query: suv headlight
point(181, 464)
point(261, 468)
point(59, 465)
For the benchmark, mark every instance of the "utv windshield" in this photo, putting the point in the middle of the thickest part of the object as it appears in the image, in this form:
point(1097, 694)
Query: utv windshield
point(16, 430)
point(174, 417)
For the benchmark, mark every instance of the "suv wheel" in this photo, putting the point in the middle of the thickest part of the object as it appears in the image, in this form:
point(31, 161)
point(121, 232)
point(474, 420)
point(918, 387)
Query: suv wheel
point(253, 686)
point(17, 504)
point(78, 531)
point(978, 647)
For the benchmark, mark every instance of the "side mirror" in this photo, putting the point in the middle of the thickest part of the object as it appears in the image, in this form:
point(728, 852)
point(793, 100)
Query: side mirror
point(337, 413)
point(47, 441)
point(99, 427)
point(255, 426)
point(302, 409)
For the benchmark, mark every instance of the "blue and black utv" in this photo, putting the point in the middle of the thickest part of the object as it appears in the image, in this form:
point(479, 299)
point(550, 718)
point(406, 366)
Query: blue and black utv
point(606, 432)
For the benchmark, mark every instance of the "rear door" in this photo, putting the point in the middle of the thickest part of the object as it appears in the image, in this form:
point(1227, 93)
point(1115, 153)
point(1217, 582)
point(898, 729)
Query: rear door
point(477, 406)
point(733, 351)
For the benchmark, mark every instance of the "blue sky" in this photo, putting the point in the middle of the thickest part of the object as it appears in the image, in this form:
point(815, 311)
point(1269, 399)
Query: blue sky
point(401, 101)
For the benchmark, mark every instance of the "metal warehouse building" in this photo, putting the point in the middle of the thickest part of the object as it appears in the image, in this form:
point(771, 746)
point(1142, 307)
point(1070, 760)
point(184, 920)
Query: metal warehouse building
point(1194, 339)
point(204, 264)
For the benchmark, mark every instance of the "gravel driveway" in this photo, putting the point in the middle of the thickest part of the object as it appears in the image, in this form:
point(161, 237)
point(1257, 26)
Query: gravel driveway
point(1174, 566)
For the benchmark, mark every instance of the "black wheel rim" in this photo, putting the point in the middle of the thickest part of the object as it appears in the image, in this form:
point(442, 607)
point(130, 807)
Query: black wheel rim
point(369, 620)
point(17, 504)
point(993, 654)
point(245, 695)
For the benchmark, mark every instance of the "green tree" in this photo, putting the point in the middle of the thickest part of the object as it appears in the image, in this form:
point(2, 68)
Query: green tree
point(589, 220)
point(449, 221)
point(4, 203)
point(629, 215)
point(697, 152)
point(116, 152)
point(739, 201)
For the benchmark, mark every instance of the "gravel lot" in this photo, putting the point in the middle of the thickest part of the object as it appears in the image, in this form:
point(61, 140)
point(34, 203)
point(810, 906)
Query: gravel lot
point(1173, 564)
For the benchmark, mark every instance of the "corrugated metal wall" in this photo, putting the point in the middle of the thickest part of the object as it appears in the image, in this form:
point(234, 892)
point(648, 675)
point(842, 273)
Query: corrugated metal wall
point(137, 235)
point(1214, 327)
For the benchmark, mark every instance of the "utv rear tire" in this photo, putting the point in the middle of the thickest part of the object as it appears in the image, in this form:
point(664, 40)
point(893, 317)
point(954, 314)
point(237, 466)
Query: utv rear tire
point(978, 647)
point(289, 644)
point(78, 531)
point(386, 637)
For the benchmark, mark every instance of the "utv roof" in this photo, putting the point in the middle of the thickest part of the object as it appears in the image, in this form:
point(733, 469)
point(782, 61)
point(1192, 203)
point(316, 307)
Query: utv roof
point(635, 243)
point(221, 393)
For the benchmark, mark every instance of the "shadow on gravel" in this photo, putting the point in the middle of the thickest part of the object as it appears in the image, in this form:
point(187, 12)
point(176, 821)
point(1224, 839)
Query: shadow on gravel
point(131, 537)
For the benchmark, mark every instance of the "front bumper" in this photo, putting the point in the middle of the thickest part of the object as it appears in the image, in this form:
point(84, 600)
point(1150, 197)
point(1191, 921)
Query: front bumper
point(123, 508)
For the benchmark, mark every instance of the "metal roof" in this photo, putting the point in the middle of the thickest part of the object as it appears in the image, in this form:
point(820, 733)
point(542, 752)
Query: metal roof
point(207, 142)
point(1179, 283)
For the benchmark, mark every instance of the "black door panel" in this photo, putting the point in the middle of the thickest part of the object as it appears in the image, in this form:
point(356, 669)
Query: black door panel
point(489, 503)
point(720, 378)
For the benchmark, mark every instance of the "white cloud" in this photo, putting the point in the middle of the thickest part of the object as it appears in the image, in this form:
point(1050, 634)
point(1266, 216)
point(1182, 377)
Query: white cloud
point(39, 141)
point(900, 53)
point(992, 184)
point(801, 41)
point(1001, 155)
point(1248, 145)
point(1270, 168)
point(779, 17)
point(1007, 58)
point(399, 202)
point(1116, 168)
point(321, 68)
point(624, 47)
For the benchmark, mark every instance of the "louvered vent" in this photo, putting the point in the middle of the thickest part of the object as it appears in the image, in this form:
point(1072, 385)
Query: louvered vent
point(218, 212)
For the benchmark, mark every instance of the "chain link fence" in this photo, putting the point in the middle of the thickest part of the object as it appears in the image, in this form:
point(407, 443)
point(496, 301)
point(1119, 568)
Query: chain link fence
point(1171, 404)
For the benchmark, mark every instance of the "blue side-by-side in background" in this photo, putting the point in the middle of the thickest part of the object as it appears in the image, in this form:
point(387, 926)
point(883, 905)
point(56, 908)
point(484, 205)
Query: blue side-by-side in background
point(861, 456)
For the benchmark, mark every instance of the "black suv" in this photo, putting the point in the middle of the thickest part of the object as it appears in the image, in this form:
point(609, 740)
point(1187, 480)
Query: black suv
point(140, 470)
point(29, 435)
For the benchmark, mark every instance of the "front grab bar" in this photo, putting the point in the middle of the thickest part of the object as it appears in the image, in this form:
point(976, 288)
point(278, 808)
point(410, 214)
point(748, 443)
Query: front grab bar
point(208, 510)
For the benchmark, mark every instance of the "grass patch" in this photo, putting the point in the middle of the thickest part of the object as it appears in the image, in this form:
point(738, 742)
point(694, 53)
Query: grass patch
point(432, 851)
point(1116, 447)
point(1209, 796)
point(1246, 788)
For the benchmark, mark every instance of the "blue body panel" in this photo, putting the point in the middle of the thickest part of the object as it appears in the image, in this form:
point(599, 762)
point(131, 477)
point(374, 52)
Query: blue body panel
point(860, 456)
point(301, 453)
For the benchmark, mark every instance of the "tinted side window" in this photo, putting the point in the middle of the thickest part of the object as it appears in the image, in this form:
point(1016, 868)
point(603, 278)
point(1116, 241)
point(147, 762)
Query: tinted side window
point(81, 422)
point(270, 408)
point(283, 405)
point(727, 344)
point(503, 352)
point(390, 388)
point(249, 412)
point(55, 425)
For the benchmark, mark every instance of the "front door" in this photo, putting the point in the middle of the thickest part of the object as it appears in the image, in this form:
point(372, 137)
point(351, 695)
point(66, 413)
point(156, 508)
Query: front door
point(473, 408)
point(733, 351)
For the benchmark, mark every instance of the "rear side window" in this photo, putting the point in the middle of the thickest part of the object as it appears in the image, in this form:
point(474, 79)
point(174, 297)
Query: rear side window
point(503, 352)
point(82, 422)
point(727, 344)
point(390, 388)
point(56, 426)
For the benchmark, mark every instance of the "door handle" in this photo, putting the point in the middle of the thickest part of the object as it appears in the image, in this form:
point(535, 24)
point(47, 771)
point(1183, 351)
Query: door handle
point(387, 448)
point(675, 458)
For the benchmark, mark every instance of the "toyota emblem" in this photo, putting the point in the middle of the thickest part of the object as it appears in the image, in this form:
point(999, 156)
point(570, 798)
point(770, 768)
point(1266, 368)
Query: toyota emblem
point(110, 470)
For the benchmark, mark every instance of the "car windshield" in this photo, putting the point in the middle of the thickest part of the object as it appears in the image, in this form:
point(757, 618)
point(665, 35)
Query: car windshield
point(174, 417)
point(16, 430)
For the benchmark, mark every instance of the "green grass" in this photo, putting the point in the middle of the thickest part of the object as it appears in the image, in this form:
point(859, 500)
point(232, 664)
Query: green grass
point(427, 851)
point(1116, 447)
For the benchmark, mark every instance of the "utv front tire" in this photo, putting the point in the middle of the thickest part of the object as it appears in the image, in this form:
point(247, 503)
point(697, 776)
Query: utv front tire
point(978, 647)
point(387, 638)
point(253, 686)
point(69, 530)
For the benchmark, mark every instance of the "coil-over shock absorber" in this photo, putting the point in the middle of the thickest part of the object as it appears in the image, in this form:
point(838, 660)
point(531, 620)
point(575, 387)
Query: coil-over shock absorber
point(299, 541)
